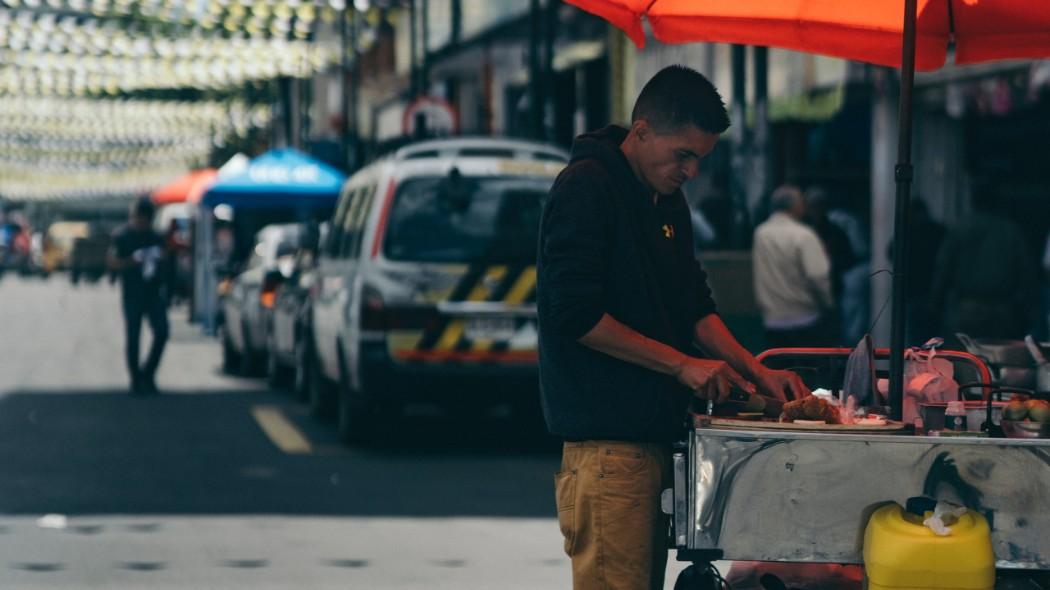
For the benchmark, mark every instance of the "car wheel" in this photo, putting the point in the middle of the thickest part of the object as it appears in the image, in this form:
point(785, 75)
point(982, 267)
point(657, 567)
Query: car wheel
point(274, 370)
point(322, 392)
point(249, 365)
point(301, 377)
point(231, 359)
point(358, 418)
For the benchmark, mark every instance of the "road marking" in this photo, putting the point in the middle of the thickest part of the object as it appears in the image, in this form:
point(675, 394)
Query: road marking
point(280, 431)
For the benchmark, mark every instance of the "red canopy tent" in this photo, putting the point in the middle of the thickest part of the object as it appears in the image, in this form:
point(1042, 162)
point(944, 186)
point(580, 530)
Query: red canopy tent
point(864, 30)
point(186, 189)
point(900, 33)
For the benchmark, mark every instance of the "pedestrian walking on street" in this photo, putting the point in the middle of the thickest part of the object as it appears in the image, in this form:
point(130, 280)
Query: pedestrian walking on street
point(792, 275)
point(624, 311)
point(138, 255)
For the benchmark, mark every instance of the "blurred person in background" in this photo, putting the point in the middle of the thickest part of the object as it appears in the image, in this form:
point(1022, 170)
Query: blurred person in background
point(137, 254)
point(985, 280)
point(838, 248)
point(177, 250)
point(925, 237)
point(792, 275)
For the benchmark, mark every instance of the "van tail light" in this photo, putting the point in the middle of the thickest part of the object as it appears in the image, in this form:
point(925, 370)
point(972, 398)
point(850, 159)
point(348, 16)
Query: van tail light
point(268, 295)
point(268, 299)
point(373, 310)
point(384, 217)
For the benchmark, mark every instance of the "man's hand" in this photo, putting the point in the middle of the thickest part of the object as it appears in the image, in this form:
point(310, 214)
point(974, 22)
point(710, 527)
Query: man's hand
point(710, 380)
point(783, 385)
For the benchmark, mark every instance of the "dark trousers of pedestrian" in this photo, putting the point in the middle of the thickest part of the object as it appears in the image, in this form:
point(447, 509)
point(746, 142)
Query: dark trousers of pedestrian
point(153, 308)
point(608, 498)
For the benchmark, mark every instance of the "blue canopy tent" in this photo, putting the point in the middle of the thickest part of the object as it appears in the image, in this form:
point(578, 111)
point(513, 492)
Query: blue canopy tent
point(279, 179)
point(280, 186)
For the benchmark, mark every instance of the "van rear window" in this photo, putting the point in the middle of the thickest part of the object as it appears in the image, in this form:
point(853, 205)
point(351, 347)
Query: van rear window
point(466, 219)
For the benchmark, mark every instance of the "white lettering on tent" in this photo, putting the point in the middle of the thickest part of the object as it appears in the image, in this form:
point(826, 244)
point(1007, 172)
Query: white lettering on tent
point(307, 173)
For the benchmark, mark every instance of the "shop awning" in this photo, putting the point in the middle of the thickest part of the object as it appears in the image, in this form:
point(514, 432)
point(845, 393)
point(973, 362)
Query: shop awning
point(186, 189)
point(862, 30)
point(284, 178)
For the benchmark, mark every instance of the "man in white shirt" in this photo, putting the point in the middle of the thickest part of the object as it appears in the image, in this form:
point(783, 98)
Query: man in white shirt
point(792, 275)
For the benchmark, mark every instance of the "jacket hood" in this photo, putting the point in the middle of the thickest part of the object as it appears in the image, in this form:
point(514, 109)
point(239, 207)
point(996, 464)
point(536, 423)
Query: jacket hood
point(603, 146)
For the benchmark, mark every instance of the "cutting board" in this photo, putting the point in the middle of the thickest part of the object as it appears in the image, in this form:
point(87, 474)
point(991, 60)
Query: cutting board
point(717, 422)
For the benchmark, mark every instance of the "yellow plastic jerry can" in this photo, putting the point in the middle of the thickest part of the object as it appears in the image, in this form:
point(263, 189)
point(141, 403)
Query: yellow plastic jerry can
point(900, 553)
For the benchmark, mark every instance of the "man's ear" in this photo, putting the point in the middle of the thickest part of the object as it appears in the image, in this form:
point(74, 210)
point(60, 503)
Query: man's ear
point(641, 129)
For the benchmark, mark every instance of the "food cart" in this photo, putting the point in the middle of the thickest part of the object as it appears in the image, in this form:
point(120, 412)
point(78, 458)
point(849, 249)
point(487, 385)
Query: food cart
point(754, 492)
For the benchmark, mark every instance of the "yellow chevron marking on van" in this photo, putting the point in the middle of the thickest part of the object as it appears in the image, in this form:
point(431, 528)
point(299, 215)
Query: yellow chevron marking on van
point(404, 340)
point(454, 332)
point(494, 276)
point(436, 295)
point(521, 288)
point(516, 295)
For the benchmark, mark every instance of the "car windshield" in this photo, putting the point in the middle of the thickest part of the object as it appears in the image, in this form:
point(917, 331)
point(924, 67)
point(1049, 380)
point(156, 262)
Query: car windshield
point(466, 219)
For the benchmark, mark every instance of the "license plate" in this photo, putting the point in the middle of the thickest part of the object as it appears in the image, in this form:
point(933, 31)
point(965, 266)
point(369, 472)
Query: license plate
point(490, 328)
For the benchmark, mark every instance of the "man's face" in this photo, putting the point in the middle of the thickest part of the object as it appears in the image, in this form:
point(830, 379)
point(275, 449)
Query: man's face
point(667, 160)
point(139, 222)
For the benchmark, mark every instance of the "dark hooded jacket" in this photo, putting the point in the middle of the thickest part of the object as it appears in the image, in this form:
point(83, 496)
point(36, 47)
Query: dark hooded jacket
point(605, 247)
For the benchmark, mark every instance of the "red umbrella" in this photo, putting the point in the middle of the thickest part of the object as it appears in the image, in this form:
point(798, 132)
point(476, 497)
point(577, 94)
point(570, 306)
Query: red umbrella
point(863, 30)
point(905, 33)
point(188, 188)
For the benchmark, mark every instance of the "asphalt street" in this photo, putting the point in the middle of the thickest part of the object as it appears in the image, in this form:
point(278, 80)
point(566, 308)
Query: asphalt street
point(199, 488)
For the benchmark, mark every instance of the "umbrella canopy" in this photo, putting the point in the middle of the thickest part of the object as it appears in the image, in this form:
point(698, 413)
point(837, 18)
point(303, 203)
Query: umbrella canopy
point(284, 178)
point(186, 189)
point(862, 30)
point(908, 34)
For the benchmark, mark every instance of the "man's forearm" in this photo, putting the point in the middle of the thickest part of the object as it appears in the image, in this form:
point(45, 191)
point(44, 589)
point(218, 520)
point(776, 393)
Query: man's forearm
point(715, 339)
point(617, 340)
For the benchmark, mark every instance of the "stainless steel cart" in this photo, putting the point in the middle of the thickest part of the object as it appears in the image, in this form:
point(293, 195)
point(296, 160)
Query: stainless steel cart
point(805, 497)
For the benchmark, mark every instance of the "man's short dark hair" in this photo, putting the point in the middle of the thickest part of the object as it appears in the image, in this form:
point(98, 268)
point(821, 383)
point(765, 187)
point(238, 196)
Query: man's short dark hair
point(143, 207)
point(678, 96)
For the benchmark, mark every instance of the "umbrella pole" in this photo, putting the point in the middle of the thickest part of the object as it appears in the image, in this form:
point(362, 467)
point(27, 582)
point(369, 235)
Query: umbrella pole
point(903, 174)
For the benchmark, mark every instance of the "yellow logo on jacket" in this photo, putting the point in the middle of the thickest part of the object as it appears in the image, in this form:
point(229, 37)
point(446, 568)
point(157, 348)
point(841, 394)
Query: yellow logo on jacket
point(668, 231)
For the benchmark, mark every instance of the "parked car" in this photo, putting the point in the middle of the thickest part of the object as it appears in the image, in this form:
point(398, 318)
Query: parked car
point(426, 281)
point(14, 248)
point(87, 259)
point(289, 320)
point(252, 293)
point(58, 243)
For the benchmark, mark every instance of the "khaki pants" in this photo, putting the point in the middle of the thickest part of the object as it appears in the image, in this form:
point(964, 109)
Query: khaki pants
point(608, 496)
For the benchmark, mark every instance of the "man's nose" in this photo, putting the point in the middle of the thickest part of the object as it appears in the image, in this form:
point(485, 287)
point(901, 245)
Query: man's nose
point(691, 169)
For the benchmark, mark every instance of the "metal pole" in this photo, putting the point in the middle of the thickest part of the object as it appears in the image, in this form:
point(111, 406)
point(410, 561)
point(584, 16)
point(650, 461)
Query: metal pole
point(344, 79)
point(412, 50)
point(535, 75)
point(903, 174)
point(760, 159)
point(424, 68)
point(457, 20)
point(550, 33)
point(739, 135)
point(355, 90)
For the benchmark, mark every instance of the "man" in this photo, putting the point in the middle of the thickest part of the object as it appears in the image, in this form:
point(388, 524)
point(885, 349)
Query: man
point(622, 300)
point(984, 285)
point(137, 254)
point(791, 274)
